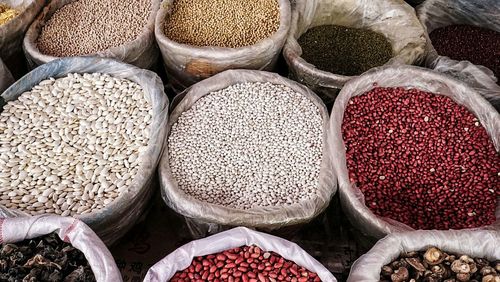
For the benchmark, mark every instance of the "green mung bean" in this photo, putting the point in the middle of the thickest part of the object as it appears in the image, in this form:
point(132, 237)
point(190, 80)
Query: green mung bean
point(343, 50)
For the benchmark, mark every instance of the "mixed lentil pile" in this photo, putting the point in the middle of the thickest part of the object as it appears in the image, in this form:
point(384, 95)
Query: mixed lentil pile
point(222, 23)
point(86, 27)
point(478, 45)
point(7, 13)
point(344, 50)
point(421, 159)
point(248, 146)
point(72, 145)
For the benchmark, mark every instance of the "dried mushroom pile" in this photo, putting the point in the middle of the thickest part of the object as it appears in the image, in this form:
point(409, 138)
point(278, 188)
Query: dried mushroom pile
point(436, 265)
point(45, 258)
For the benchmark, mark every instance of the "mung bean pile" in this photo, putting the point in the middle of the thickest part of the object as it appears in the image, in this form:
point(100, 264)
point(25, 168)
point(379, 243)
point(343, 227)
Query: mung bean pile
point(72, 145)
point(88, 26)
point(222, 23)
point(344, 50)
point(7, 13)
point(247, 146)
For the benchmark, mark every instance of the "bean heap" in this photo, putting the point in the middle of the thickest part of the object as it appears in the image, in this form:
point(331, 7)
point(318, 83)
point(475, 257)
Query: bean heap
point(89, 26)
point(246, 264)
point(344, 50)
point(421, 159)
point(435, 265)
point(222, 23)
point(7, 13)
point(72, 145)
point(478, 45)
point(247, 146)
point(46, 258)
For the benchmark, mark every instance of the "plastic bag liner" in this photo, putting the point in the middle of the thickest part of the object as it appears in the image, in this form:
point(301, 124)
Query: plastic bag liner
point(70, 230)
point(181, 258)
point(186, 64)
point(482, 244)
point(202, 217)
point(12, 32)
point(141, 52)
point(351, 197)
point(439, 13)
point(394, 19)
point(5, 77)
point(113, 221)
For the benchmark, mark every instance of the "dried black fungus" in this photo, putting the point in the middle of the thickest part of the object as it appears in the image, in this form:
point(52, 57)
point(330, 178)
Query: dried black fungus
point(46, 258)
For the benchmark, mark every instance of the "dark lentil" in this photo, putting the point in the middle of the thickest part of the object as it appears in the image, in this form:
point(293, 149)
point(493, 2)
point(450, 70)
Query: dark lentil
point(478, 45)
point(421, 159)
point(343, 50)
point(46, 258)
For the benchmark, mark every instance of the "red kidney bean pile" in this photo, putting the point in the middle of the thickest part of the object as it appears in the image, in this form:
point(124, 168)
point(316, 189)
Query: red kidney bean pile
point(478, 45)
point(245, 264)
point(421, 159)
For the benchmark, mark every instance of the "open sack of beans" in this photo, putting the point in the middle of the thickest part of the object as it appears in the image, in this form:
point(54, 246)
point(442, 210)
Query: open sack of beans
point(200, 38)
point(464, 42)
point(239, 254)
point(330, 42)
point(119, 29)
point(415, 149)
point(15, 18)
point(247, 148)
point(431, 256)
point(6, 79)
point(82, 137)
point(53, 248)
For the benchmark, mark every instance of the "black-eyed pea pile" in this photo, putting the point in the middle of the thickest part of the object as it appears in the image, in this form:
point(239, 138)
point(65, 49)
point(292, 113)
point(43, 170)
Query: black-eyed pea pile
point(72, 145)
point(248, 146)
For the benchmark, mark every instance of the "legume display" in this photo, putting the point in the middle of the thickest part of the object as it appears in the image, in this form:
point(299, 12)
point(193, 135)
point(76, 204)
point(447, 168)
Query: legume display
point(72, 145)
point(421, 159)
point(7, 13)
point(246, 264)
point(89, 26)
point(344, 50)
point(478, 45)
point(222, 23)
point(249, 145)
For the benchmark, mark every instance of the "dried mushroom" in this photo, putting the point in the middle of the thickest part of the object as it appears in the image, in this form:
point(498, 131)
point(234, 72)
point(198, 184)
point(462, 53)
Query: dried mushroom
point(435, 265)
point(46, 258)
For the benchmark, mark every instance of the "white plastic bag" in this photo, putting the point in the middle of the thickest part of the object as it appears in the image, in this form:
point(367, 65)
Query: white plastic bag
point(481, 244)
point(237, 237)
point(6, 78)
point(70, 230)
point(394, 19)
point(351, 197)
point(439, 13)
point(117, 218)
point(12, 32)
point(141, 52)
point(186, 64)
point(202, 217)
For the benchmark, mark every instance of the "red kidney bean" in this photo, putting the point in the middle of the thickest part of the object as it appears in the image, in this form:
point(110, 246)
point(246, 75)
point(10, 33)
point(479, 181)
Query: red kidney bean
point(232, 265)
point(478, 45)
point(421, 159)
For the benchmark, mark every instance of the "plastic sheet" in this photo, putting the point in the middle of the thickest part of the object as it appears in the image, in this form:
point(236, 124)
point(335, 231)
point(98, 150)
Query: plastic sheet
point(352, 199)
point(12, 32)
point(439, 13)
point(186, 64)
point(141, 52)
point(117, 218)
point(482, 244)
point(6, 78)
point(237, 237)
point(208, 218)
point(394, 19)
point(71, 231)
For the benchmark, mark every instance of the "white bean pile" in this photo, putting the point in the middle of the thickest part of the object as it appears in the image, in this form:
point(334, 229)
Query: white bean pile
point(72, 145)
point(247, 146)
